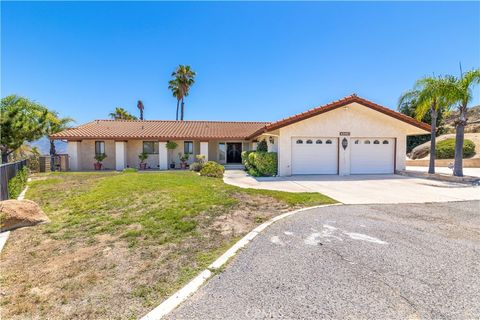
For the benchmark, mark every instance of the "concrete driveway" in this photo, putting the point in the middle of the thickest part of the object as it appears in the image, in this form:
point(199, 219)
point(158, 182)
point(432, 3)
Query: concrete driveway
point(413, 261)
point(361, 189)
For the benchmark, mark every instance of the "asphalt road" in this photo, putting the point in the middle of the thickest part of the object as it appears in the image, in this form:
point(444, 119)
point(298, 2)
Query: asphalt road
point(408, 261)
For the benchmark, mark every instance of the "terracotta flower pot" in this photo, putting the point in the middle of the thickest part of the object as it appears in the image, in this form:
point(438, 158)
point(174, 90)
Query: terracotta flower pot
point(143, 166)
point(97, 166)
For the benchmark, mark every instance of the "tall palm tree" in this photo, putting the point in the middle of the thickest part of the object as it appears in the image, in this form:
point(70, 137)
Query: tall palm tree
point(185, 78)
point(56, 124)
point(432, 95)
point(121, 114)
point(463, 94)
point(174, 86)
point(140, 108)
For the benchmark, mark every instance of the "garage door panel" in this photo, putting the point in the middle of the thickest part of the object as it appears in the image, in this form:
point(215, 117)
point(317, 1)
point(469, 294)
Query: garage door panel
point(372, 156)
point(317, 157)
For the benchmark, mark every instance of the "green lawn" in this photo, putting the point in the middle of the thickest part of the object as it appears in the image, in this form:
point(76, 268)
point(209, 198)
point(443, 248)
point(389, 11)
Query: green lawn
point(134, 236)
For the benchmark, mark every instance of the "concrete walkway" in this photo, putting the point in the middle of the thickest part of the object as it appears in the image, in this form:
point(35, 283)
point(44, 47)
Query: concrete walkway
point(361, 189)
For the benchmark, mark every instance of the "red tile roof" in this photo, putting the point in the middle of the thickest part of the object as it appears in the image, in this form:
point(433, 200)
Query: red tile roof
point(209, 130)
point(161, 130)
point(337, 104)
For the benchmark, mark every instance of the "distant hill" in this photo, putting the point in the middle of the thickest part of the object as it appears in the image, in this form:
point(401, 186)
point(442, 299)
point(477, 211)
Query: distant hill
point(473, 116)
point(43, 146)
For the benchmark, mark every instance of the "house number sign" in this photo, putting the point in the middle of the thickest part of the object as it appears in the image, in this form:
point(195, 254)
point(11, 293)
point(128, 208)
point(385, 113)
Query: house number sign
point(344, 133)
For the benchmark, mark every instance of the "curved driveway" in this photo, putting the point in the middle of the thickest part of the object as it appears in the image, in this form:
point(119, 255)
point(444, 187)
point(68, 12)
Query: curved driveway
point(353, 261)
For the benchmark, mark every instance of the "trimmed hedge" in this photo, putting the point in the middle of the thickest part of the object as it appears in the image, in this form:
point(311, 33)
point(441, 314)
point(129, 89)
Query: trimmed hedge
point(260, 163)
point(212, 169)
point(445, 149)
point(18, 183)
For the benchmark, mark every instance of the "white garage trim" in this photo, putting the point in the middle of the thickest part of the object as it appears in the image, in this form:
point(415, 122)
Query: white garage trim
point(372, 155)
point(315, 155)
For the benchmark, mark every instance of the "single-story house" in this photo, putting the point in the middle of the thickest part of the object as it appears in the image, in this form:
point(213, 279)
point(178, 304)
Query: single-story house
point(348, 136)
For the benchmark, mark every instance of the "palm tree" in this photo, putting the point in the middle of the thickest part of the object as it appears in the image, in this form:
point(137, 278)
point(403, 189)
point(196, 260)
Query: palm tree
point(141, 108)
point(463, 94)
point(55, 125)
point(121, 114)
point(432, 95)
point(174, 86)
point(184, 77)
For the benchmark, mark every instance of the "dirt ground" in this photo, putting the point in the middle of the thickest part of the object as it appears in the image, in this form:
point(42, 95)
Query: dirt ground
point(103, 277)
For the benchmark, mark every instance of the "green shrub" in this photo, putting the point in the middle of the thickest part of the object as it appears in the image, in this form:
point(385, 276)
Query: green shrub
point(266, 163)
point(245, 161)
point(18, 183)
point(129, 170)
point(445, 149)
point(212, 169)
point(260, 163)
point(262, 146)
point(196, 166)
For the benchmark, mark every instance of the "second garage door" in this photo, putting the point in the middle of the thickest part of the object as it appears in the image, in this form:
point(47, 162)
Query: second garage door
point(372, 155)
point(314, 155)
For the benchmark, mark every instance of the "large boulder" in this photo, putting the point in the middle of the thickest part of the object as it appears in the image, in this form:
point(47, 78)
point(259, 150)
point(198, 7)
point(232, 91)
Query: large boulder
point(20, 213)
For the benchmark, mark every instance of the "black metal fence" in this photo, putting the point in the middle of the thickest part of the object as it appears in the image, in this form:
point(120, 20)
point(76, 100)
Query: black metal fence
point(7, 172)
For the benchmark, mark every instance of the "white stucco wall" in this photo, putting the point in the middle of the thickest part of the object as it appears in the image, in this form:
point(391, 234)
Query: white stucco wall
point(359, 120)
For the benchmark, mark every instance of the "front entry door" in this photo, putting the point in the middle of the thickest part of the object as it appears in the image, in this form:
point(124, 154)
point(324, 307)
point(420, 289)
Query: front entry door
point(234, 153)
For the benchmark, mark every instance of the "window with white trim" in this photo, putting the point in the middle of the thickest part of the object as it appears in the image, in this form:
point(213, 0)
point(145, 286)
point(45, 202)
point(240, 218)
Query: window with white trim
point(188, 147)
point(99, 147)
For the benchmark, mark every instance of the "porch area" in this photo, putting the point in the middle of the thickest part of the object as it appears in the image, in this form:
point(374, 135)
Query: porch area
point(125, 154)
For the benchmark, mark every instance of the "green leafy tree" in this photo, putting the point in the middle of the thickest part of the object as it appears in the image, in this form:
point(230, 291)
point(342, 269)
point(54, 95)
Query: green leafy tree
point(183, 79)
point(22, 120)
point(121, 114)
point(54, 125)
point(432, 95)
point(462, 91)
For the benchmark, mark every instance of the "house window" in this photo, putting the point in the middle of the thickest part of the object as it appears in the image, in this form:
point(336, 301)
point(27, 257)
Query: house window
point(99, 147)
point(385, 142)
point(150, 147)
point(309, 141)
point(376, 142)
point(328, 142)
point(299, 141)
point(367, 142)
point(318, 142)
point(188, 147)
point(222, 152)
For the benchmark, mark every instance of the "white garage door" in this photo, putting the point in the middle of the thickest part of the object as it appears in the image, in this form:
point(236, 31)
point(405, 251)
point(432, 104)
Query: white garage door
point(314, 155)
point(372, 155)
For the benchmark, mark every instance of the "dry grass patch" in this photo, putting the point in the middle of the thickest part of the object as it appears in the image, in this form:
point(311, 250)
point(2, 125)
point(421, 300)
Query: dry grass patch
point(120, 243)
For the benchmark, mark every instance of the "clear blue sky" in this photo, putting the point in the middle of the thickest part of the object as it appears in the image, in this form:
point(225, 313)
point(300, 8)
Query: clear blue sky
point(255, 61)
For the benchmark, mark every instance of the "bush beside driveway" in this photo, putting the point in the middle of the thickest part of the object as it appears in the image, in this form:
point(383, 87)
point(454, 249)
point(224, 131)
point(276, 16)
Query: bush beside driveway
point(119, 243)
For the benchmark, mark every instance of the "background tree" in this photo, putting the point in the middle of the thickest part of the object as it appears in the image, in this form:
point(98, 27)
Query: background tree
point(408, 108)
point(121, 114)
point(431, 95)
point(174, 86)
point(463, 96)
point(22, 120)
point(54, 125)
point(184, 77)
point(141, 108)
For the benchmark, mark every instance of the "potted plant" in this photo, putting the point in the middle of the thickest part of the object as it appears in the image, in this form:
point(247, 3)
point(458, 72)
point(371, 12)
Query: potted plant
point(143, 156)
point(171, 145)
point(183, 160)
point(99, 157)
